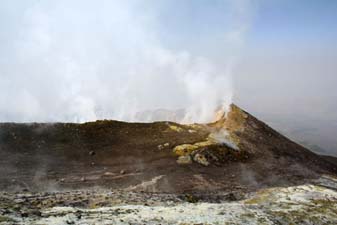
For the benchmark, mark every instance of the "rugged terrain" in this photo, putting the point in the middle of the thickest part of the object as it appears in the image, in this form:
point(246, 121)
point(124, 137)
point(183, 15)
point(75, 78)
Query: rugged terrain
point(162, 166)
point(303, 204)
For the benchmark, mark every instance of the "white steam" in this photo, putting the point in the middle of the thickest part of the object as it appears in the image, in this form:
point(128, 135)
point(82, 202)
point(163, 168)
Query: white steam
point(86, 60)
point(222, 136)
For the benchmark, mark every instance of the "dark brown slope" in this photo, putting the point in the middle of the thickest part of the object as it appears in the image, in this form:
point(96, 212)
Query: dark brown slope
point(143, 156)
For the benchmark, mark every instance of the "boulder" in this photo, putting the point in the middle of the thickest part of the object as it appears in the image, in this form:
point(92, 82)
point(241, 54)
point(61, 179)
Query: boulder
point(185, 159)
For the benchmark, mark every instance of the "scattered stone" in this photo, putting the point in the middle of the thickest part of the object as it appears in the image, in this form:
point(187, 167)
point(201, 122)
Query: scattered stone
point(16, 207)
point(185, 159)
point(191, 199)
point(232, 197)
point(92, 164)
point(201, 159)
point(92, 153)
point(24, 214)
point(108, 174)
point(191, 131)
point(122, 172)
point(36, 213)
point(70, 222)
point(78, 215)
point(83, 179)
point(161, 147)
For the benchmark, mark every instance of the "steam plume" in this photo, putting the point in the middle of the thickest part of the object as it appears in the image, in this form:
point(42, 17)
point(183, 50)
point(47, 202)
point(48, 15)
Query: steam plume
point(83, 60)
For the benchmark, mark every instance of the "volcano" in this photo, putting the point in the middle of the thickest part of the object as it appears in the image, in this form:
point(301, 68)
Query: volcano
point(234, 170)
point(236, 152)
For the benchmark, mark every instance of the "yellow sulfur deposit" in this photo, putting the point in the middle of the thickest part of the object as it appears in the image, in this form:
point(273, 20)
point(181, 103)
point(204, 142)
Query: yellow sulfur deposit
point(176, 128)
point(187, 149)
point(234, 120)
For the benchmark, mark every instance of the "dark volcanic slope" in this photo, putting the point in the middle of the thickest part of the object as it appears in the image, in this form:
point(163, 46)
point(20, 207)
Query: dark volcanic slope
point(236, 153)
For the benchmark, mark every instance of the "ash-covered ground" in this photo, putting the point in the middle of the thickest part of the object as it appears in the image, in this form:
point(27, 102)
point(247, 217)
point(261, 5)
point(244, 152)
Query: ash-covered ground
point(304, 204)
point(236, 171)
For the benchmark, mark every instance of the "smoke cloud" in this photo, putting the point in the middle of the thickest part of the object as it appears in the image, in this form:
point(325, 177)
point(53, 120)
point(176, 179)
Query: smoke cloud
point(83, 60)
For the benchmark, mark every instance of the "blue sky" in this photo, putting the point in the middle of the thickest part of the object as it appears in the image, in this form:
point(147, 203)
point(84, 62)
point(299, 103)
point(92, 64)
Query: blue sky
point(290, 23)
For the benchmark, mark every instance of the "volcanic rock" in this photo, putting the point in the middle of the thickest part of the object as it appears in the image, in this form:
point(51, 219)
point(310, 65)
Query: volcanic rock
point(237, 143)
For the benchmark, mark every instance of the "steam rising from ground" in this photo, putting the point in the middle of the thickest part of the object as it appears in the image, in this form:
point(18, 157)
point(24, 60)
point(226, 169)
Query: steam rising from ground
point(80, 61)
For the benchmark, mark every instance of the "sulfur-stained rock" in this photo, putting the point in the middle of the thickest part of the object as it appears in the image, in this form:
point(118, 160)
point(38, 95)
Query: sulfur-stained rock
point(187, 149)
point(201, 159)
point(176, 128)
point(186, 159)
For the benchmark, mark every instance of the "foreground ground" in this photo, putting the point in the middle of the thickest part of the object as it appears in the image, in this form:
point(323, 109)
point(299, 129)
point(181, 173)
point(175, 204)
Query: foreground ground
point(314, 203)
